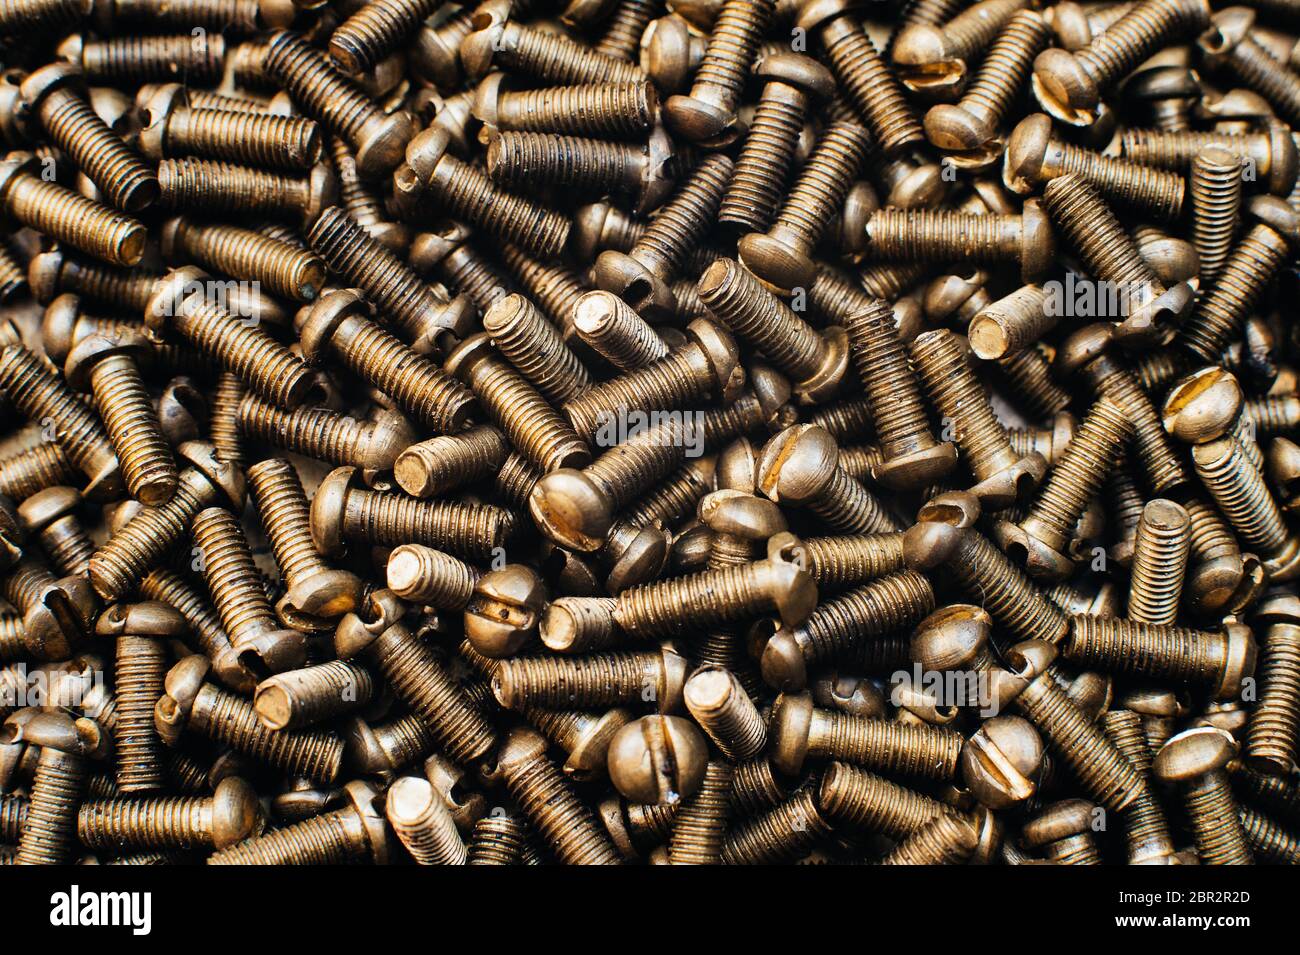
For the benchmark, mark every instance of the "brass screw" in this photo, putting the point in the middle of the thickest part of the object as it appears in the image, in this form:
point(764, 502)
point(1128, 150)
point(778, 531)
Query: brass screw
point(175, 126)
point(1273, 793)
point(528, 421)
point(181, 303)
point(225, 190)
point(1011, 324)
point(140, 631)
point(967, 131)
point(1273, 414)
point(599, 681)
point(466, 193)
point(1272, 151)
point(580, 625)
point(870, 84)
point(368, 36)
point(1228, 46)
point(144, 59)
point(1269, 242)
point(852, 796)
point(446, 462)
point(56, 612)
point(549, 802)
point(1042, 541)
point(55, 94)
point(176, 591)
point(300, 698)
point(622, 37)
point(1051, 443)
point(1268, 839)
point(422, 315)
point(56, 272)
point(1216, 189)
point(700, 824)
point(422, 823)
point(586, 737)
point(247, 255)
point(834, 562)
point(362, 201)
point(416, 676)
point(430, 578)
point(498, 839)
point(555, 288)
point(623, 110)
point(1162, 545)
point(845, 627)
point(671, 52)
point(555, 60)
point(802, 731)
point(230, 815)
point(340, 323)
point(1275, 723)
point(612, 329)
point(1036, 155)
point(325, 435)
point(780, 256)
point(1222, 660)
point(355, 833)
point(50, 517)
point(1145, 827)
point(1063, 831)
point(779, 835)
point(536, 348)
point(503, 612)
point(1194, 761)
point(315, 593)
point(642, 276)
point(109, 368)
point(1069, 85)
point(41, 14)
point(67, 216)
point(931, 59)
point(799, 466)
point(341, 511)
point(1239, 490)
point(41, 396)
point(947, 840)
point(237, 591)
point(66, 746)
point(446, 251)
point(718, 702)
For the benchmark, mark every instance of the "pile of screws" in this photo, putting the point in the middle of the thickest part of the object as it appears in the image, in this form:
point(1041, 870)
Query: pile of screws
point(683, 431)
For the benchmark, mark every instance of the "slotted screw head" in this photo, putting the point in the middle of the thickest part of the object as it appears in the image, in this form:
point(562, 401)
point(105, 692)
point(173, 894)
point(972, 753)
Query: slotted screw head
point(503, 614)
point(658, 760)
point(1002, 760)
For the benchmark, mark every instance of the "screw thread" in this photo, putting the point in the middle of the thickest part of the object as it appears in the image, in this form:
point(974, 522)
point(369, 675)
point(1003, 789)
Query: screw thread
point(1241, 494)
point(673, 499)
point(207, 99)
point(130, 290)
point(1275, 793)
point(860, 461)
point(69, 217)
point(594, 682)
point(426, 829)
point(530, 423)
point(766, 158)
point(315, 432)
point(229, 719)
point(700, 825)
point(405, 739)
point(889, 746)
point(1158, 192)
point(871, 86)
point(390, 519)
point(250, 138)
point(129, 416)
point(1273, 415)
point(890, 382)
point(39, 394)
point(1029, 376)
point(1162, 545)
point(848, 507)
point(13, 817)
point(497, 840)
point(421, 681)
point(612, 328)
point(286, 517)
point(431, 578)
point(1147, 649)
point(472, 275)
point(942, 235)
point(468, 193)
point(608, 110)
point(1268, 839)
point(703, 599)
point(623, 33)
point(556, 288)
point(824, 181)
point(855, 797)
point(375, 31)
point(1216, 188)
point(1210, 535)
point(675, 231)
point(535, 346)
point(946, 840)
point(1157, 371)
point(49, 836)
point(971, 31)
point(20, 19)
point(128, 61)
point(1011, 324)
point(1101, 769)
point(233, 579)
point(779, 835)
point(1143, 30)
point(1261, 71)
point(755, 787)
point(846, 420)
point(1242, 278)
point(627, 470)
point(1145, 828)
point(838, 628)
point(141, 666)
point(1216, 825)
point(719, 703)
point(98, 152)
point(68, 547)
point(733, 44)
point(332, 838)
point(24, 583)
point(317, 85)
point(165, 822)
point(12, 646)
point(1275, 724)
point(359, 199)
point(676, 380)
point(854, 559)
point(224, 420)
point(1002, 75)
point(576, 625)
point(557, 813)
point(1164, 468)
point(756, 315)
point(1107, 250)
point(222, 189)
point(517, 159)
point(173, 589)
point(244, 254)
point(515, 480)
point(447, 462)
point(13, 277)
point(1178, 150)
point(559, 61)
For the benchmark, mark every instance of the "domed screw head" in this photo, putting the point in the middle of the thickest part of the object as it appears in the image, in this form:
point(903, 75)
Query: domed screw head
point(503, 614)
point(955, 637)
point(589, 756)
point(658, 760)
point(849, 693)
point(1193, 754)
point(1062, 820)
point(796, 465)
point(572, 510)
point(237, 812)
point(790, 725)
point(1065, 89)
point(1202, 406)
point(1002, 760)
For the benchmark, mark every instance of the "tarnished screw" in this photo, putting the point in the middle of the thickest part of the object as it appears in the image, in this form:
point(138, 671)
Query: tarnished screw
point(536, 347)
point(854, 558)
point(950, 839)
point(19, 18)
point(1216, 187)
point(245, 254)
point(1146, 829)
point(230, 815)
point(609, 110)
point(1228, 45)
point(1222, 660)
point(935, 59)
point(503, 612)
point(448, 252)
point(56, 95)
point(497, 840)
point(700, 824)
point(373, 445)
point(221, 189)
point(579, 625)
point(1002, 761)
point(315, 593)
point(658, 760)
point(781, 255)
point(444, 463)
point(1272, 151)
point(1195, 762)
point(848, 628)
point(176, 591)
point(967, 131)
point(612, 329)
point(1011, 324)
point(1064, 832)
point(1035, 155)
point(1241, 494)
point(671, 52)
point(369, 35)
point(356, 833)
point(49, 836)
point(421, 821)
point(1161, 548)
point(416, 676)
point(50, 517)
point(871, 86)
point(1275, 723)
point(586, 737)
point(430, 578)
point(299, 698)
point(598, 681)
point(343, 511)
point(1069, 85)
point(109, 369)
point(718, 702)
point(66, 216)
point(340, 323)
point(528, 421)
point(41, 396)
point(466, 192)
point(131, 60)
point(853, 796)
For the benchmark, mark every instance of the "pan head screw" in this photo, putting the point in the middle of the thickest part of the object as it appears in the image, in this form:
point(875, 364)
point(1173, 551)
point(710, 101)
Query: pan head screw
point(657, 760)
point(1002, 761)
point(503, 614)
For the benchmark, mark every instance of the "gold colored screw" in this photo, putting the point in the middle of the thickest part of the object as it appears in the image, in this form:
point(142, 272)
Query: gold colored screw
point(580, 625)
point(845, 628)
point(1011, 324)
point(1224, 578)
point(56, 95)
point(853, 796)
point(1063, 832)
point(18, 18)
point(50, 517)
point(1275, 723)
point(1195, 761)
point(834, 562)
point(319, 433)
point(56, 272)
point(595, 682)
point(718, 702)
point(498, 839)
point(931, 59)
point(444, 463)
point(949, 839)
point(612, 329)
point(781, 834)
point(300, 698)
point(622, 110)
point(1228, 45)
point(1146, 829)
point(1272, 151)
point(247, 255)
point(171, 588)
point(416, 677)
point(231, 814)
point(1216, 188)
point(66, 216)
point(1002, 477)
point(871, 86)
point(700, 824)
point(1269, 840)
point(1162, 545)
point(430, 578)
point(27, 472)
point(536, 348)
point(1245, 500)
point(131, 60)
point(369, 35)
point(221, 189)
point(362, 201)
